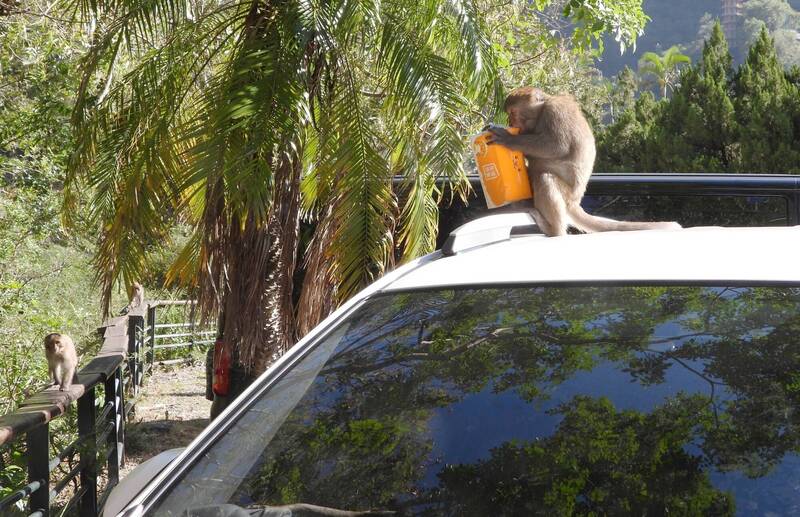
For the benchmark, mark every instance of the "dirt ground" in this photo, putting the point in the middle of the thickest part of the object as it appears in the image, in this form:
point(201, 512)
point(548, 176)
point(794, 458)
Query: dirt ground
point(171, 411)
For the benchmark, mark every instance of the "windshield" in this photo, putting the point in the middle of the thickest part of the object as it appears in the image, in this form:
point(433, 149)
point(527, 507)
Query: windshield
point(526, 400)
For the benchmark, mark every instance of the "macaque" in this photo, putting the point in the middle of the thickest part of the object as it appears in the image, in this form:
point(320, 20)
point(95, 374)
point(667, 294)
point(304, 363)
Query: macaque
point(137, 298)
point(62, 360)
point(558, 145)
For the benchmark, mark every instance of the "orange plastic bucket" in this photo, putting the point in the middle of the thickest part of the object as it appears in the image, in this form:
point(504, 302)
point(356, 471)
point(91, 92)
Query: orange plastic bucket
point(503, 174)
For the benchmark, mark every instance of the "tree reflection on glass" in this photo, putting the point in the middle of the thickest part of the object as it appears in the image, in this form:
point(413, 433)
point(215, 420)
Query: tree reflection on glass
point(599, 460)
point(520, 401)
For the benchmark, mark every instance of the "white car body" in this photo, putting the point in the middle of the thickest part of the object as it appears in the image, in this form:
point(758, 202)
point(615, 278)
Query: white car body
point(484, 252)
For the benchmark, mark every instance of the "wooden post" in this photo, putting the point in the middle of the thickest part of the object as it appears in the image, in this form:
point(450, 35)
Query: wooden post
point(151, 323)
point(86, 433)
point(115, 440)
point(38, 443)
point(135, 333)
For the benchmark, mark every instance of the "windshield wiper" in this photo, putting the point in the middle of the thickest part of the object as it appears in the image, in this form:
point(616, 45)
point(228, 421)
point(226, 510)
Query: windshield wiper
point(289, 510)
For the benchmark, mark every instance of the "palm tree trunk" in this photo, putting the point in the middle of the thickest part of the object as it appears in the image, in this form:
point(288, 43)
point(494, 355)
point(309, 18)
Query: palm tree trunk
point(277, 304)
point(318, 297)
point(259, 325)
point(259, 319)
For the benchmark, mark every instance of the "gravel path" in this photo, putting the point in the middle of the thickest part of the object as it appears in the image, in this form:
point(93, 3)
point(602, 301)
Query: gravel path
point(171, 411)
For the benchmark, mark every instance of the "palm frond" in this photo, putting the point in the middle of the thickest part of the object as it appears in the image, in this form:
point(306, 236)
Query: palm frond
point(365, 207)
point(131, 154)
point(419, 220)
point(219, 113)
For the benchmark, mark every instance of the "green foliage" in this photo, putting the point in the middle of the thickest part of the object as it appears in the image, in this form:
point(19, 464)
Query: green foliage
point(45, 286)
point(766, 110)
point(696, 126)
point(780, 20)
point(45, 273)
point(623, 94)
point(37, 84)
point(664, 69)
point(623, 145)
point(13, 469)
point(241, 125)
point(717, 120)
point(624, 20)
point(45, 276)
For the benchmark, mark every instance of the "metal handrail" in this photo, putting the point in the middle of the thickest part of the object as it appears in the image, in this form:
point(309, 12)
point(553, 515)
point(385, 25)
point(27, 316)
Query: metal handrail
point(119, 367)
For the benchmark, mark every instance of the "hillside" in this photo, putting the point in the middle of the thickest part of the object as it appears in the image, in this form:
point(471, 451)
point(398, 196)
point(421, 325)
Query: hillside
point(675, 22)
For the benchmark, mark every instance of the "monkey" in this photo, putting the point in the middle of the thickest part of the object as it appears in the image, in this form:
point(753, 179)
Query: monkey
point(559, 147)
point(62, 360)
point(137, 298)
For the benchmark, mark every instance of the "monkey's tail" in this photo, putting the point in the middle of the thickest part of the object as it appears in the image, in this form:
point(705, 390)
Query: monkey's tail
point(591, 223)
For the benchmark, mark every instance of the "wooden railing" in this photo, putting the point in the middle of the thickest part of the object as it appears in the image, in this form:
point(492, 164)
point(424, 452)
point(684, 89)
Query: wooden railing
point(126, 357)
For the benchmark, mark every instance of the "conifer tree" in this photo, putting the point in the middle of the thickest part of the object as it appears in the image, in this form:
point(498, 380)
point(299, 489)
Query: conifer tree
point(766, 110)
point(622, 145)
point(696, 128)
point(793, 75)
point(624, 96)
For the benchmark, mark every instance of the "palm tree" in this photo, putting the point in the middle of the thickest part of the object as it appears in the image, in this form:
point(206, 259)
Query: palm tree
point(664, 69)
point(242, 118)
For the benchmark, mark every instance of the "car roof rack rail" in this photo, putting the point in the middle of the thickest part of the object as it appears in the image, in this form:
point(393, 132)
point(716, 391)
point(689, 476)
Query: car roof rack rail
point(487, 230)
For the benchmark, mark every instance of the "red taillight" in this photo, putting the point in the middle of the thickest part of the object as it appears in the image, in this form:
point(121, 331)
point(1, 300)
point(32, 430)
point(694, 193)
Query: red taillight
point(222, 368)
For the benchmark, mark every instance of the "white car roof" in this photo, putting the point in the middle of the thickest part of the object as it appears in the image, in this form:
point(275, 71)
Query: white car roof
point(485, 254)
point(703, 254)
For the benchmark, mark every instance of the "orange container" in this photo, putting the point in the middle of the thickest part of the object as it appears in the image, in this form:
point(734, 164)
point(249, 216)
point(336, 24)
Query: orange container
point(504, 177)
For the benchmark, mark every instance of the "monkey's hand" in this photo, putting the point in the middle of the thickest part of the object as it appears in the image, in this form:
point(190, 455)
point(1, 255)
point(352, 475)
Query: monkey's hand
point(498, 135)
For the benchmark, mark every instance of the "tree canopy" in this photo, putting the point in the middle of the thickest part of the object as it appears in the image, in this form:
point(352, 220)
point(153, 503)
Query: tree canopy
point(244, 119)
point(719, 118)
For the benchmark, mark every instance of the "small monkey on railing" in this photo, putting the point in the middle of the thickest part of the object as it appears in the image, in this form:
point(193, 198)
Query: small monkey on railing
point(62, 360)
point(137, 298)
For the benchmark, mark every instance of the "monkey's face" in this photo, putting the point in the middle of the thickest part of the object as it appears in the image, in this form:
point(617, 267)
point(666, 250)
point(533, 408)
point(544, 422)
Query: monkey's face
point(523, 106)
point(524, 116)
point(514, 119)
point(53, 343)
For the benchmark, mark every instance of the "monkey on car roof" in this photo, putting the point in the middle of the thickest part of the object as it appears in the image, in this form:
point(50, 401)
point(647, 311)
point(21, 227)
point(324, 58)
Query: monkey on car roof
point(559, 147)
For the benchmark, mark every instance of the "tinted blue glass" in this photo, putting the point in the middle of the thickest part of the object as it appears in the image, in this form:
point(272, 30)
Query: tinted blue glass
point(520, 401)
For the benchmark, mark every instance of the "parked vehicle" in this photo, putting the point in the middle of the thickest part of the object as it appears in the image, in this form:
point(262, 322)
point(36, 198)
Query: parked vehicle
point(645, 372)
point(691, 199)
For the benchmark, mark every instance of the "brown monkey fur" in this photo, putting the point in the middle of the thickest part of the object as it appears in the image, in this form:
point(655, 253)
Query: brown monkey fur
point(137, 298)
point(559, 147)
point(137, 295)
point(62, 360)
